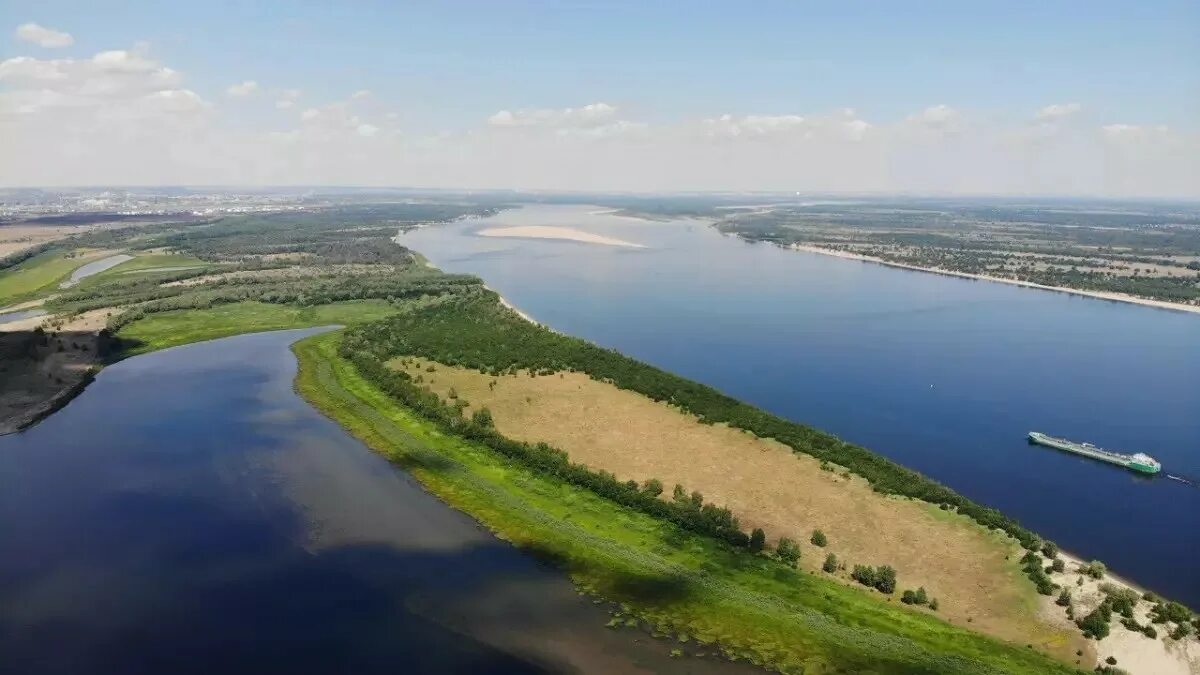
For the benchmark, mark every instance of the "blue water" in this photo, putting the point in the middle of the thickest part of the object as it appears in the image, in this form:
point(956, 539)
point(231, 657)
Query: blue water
point(95, 267)
point(188, 513)
point(941, 374)
point(9, 317)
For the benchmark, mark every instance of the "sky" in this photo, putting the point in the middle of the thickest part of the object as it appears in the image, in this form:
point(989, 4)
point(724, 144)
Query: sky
point(1090, 98)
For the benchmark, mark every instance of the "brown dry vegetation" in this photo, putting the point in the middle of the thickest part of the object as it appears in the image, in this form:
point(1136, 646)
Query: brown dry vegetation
point(972, 572)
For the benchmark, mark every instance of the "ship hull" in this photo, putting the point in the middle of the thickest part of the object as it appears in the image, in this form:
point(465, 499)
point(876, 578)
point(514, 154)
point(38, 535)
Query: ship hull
point(1090, 452)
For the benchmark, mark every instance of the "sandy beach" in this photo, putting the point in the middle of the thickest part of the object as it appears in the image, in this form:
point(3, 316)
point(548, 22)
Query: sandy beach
point(1116, 297)
point(552, 232)
point(1134, 652)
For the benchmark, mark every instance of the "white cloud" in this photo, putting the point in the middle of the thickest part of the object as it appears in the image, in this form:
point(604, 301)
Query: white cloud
point(44, 37)
point(109, 77)
point(361, 93)
point(1133, 131)
point(1057, 111)
point(593, 114)
point(122, 117)
point(244, 88)
point(939, 116)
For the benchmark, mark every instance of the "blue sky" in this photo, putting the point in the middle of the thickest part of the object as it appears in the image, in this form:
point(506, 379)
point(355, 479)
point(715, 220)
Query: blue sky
point(445, 67)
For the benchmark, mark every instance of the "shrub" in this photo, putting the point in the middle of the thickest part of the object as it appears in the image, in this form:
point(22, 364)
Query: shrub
point(908, 598)
point(830, 564)
point(653, 487)
point(788, 551)
point(1094, 569)
point(922, 596)
point(933, 604)
point(1050, 549)
point(818, 538)
point(1170, 611)
point(482, 418)
point(864, 574)
point(1064, 598)
point(1094, 625)
point(1058, 565)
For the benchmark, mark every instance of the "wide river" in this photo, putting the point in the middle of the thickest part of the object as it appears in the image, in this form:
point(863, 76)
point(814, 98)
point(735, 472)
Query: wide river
point(188, 513)
point(941, 374)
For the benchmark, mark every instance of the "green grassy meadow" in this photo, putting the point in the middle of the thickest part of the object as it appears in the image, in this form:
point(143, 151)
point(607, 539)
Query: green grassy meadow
point(689, 586)
point(170, 329)
point(41, 273)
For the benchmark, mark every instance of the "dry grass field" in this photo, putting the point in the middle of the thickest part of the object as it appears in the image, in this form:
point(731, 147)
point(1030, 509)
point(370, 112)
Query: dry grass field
point(973, 572)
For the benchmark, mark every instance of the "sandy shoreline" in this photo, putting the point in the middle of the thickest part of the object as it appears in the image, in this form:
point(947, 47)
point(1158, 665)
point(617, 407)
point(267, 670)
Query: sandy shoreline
point(1101, 295)
point(1134, 652)
point(553, 232)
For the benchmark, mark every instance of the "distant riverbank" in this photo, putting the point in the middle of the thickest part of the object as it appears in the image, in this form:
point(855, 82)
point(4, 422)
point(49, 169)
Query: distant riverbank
point(1102, 295)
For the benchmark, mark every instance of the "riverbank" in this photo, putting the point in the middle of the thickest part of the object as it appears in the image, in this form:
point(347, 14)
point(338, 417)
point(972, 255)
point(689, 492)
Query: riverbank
point(1133, 651)
point(1101, 295)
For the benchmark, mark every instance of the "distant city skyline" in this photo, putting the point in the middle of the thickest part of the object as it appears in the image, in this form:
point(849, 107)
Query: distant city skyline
point(987, 98)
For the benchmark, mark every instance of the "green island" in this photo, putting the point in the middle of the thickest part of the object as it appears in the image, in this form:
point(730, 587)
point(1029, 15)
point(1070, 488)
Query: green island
point(420, 374)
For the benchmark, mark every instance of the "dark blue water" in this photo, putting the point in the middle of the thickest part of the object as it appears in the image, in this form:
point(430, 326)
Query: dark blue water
point(941, 374)
point(188, 513)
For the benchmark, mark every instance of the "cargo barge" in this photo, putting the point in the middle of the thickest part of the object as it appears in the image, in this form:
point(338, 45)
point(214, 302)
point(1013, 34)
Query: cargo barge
point(1140, 462)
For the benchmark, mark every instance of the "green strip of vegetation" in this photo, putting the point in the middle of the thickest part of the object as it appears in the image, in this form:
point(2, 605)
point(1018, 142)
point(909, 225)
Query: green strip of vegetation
point(170, 329)
point(691, 586)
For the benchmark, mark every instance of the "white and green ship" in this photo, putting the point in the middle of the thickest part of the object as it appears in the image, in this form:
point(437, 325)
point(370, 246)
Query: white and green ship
point(1140, 461)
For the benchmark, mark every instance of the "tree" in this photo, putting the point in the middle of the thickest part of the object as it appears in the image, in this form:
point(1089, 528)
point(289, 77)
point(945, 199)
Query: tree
point(933, 604)
point(653, 487)
point(885, 579)
point(908, 597)
point(818, 538)
point(788, 551)
point(922, 596)
point(758, 540)
point(830, 564)
point(1058, 565)
point(1050, 549)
